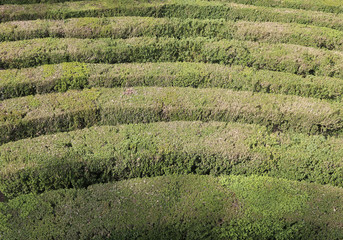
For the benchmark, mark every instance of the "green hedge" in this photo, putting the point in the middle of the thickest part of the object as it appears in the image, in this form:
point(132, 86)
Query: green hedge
point(33, 1)
point(103, 154)
point(276, 57)
point(127, 27)
point(179, 207)
point(36, 115)
point(169, 8)
point(332, 6)
point(61, 77)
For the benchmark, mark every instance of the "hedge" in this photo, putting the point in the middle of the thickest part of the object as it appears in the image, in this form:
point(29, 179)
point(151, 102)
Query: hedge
point(169, 8)
point(179, 207)
point(127, 27)
point(36, 115)
point(102, 154)
point(276, 57)
point(332, 6)
point(33, 1)
point(74, 75)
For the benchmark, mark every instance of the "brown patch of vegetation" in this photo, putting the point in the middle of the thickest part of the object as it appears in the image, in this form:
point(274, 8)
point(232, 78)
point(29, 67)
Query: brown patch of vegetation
point(2, 197)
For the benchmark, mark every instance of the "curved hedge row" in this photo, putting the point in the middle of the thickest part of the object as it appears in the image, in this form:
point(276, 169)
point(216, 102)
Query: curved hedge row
point(277, 57)
point(333, 6)
point(179, 207)
point(127, 27)
point(170, 8)
point(36, 115)
point(33, 1)
point(74, 75)
point(103, 154)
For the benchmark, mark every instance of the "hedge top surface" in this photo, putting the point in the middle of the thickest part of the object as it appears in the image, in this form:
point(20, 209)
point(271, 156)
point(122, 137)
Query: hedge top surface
point(170, 8)
point(103, 141)
point(42, 114)
point(334, 6)
point(127, 27)
point(169, 99)
point(195, 207)
point(33, 1)
point(74, 75)
point(40, 106)
point(155, 149)
point(211, 138)
point(276, 57)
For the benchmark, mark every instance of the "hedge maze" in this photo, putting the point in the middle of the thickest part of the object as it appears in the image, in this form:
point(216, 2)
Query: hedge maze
point(193, 119)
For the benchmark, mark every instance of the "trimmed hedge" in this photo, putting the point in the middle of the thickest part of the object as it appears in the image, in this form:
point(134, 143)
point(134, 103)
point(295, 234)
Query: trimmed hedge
point(169, 8)
point(128, 27)
point(333, 6)
point(65, 76)
point(103, 154)
point(33, 1)
point(276, 57)
point(179, 207)
point(36, 115)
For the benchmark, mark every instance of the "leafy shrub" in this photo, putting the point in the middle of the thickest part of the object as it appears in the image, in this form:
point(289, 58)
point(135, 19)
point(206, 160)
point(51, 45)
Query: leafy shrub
point(276, 57)
point(170, 8)
point(128, 27)
point(65, 76)
point(178, 207)
point(332, 6)
point(41, 114)
point(103, 154)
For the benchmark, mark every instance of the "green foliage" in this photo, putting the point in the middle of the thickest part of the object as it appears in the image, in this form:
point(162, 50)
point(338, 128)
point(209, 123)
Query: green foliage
point(73, 76)
point(170, 8)
point(103, 154)
point(178, 207)
point(168, 49)
point(276, 57)
point(41, 114)
point(33, 1)
point(332, 6)
point(128, 27)
point(284, 198)
point(65, 76)
point(49, 113)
